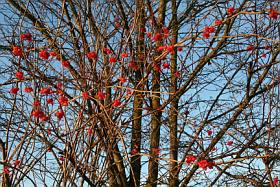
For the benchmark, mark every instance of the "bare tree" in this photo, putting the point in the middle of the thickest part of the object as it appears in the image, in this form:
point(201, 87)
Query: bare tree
point(139, 93)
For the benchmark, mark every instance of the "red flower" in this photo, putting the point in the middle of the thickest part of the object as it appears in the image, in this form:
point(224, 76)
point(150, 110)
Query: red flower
point(17, 51)
point(53, 53)
point(16, 163)
point(19, 75)
point(112, 59)
point(190, 158)
point(209, 132)
point(50, 101)
point(59, 114)
point(122, 79)
point(230, 10)
point(6, 170)
point(250, 48)
point(165, 65)
point(218, 22)
point(65, 64)
point(101, 95)
point(44, 55)
point(26, 36)
point(229, 143)
point(28, 89)
point(14, 90)
point(116, 103)
point(63, 100)
point(92, 55)
point(85, 95)
point(124, 55)
point(273, 13)
point(275, 181)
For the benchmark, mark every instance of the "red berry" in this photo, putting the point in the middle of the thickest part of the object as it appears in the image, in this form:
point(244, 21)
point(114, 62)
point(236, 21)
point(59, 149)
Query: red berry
point(92, 55)
point(250, 48)
point(17, 51)
point(143, 29)
point(230, 10)
point(19, 75)
point(59, 114)
point(218, 22)
point(28, 89)
point(229, 143)
point(112, 60)
point(65, 64)
point(122, 79)
point(190, 158)
point(6, 170)
point(17, 163)
point(45, 91)
point(85, 95)
point(179, 49)
point(116, 103)
point(14, 90)
point(26, 36)
point(36, 103)
point(107, 51)
point(101, 95)
point(165, 66)
point(124, 55)
point(44, 55)
point(209, 29)
point(53, 53)
point(206, 35)
point(63, 100)
point(156, 37)
point(273, 13)
point(209, 132)
point(50, 101)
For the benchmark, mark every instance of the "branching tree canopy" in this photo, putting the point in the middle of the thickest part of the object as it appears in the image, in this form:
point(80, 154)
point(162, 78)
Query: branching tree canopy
point(128, 93)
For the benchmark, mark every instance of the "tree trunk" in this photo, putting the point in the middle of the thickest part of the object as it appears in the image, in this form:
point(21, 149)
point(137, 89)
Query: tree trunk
point(138, 100)
point(173, 115)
